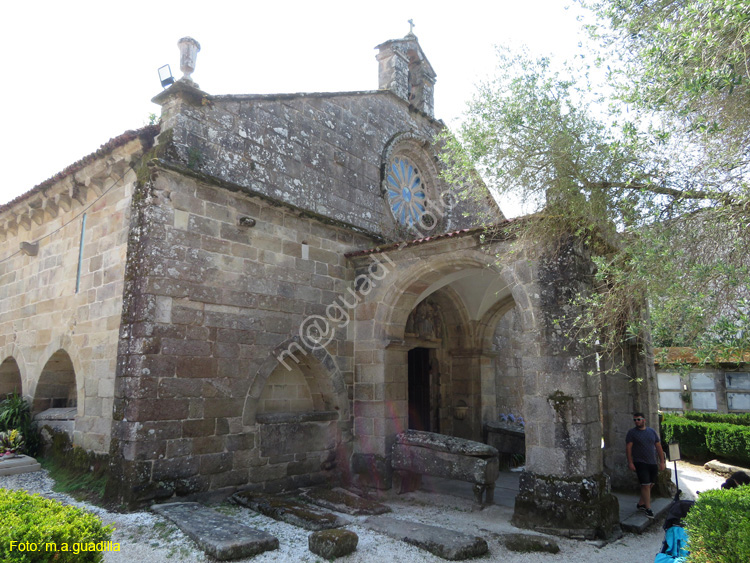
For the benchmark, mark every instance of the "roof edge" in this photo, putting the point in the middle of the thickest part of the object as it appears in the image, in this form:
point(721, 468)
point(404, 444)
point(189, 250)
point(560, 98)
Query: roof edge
point(146, 134)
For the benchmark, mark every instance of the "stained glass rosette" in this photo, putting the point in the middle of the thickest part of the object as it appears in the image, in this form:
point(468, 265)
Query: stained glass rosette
point(406, 195)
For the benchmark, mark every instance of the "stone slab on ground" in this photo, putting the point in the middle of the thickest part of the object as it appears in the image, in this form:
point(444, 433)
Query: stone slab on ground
point(218, 535)
point(18, 465)
point(724, 468)
point(637, 522)
point(341, 500)
point(439, 541)
point(289, 510)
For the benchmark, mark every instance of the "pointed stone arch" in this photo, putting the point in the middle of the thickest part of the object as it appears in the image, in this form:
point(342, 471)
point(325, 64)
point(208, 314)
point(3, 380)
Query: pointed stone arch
point(324, 381)
point(461, 273)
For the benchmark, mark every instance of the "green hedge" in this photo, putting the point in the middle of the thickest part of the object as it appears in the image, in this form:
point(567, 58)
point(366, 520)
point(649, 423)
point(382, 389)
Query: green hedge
point(45, 530)
point(703, 440)
point(739, 419)
point(718, 527)
point(690, 435)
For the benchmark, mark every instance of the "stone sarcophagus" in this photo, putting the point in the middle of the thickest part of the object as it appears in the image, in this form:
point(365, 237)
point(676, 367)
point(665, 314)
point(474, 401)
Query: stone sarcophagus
point(418, 453)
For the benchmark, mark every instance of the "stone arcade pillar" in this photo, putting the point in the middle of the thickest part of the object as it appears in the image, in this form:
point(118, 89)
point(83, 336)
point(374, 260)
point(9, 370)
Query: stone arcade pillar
point(563, 489)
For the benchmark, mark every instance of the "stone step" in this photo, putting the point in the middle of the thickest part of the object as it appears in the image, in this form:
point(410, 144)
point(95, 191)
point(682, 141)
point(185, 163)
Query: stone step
point(220, 536)
point(341, 500)
point(637, 522)
point(289, 510)
point(442, 542)
point(17, 465)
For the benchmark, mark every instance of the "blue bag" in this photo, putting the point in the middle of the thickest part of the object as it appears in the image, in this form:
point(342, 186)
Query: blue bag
point(674, 549)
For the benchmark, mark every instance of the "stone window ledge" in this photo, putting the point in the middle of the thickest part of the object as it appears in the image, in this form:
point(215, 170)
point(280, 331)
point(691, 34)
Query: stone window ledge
point(295, 417)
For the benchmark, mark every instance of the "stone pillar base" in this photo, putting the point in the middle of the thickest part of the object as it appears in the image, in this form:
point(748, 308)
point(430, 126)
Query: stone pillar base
point(372, 471)
point(580, 507)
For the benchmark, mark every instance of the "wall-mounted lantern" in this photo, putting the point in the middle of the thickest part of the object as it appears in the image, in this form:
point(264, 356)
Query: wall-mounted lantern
point(165, 76)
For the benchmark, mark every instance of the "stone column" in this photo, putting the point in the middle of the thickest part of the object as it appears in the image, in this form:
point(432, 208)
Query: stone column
point(563, 489)
point(380, 410)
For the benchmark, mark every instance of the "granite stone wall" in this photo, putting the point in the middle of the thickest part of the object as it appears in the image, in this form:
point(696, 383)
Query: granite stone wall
point(59, 328)
point(322, 153)
point(211, 307)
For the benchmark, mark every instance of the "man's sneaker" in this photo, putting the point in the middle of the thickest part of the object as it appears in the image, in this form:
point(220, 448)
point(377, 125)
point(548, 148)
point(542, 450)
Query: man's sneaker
point(647, 511)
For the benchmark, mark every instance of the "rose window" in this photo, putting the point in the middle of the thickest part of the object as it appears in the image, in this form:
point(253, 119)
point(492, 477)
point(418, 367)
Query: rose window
point(406, 195)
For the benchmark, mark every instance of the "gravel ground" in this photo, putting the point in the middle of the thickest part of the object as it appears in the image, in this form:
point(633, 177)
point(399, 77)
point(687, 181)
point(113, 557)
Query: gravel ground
point(148, 538)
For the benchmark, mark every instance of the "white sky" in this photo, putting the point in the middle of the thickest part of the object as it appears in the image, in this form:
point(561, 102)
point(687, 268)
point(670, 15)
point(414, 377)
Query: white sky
point(75, 74)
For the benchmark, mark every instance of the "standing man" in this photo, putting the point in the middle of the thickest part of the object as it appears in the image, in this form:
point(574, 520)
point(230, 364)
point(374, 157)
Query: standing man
point(644, 452)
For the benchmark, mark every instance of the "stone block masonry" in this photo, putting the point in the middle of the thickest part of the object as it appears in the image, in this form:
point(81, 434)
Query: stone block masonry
point(60, 307)
point(202, 316)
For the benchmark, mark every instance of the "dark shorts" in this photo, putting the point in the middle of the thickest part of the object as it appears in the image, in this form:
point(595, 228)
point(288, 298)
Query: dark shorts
point(646, 472)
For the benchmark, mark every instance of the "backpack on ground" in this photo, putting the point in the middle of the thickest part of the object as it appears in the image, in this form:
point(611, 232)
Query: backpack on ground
point(674, 549)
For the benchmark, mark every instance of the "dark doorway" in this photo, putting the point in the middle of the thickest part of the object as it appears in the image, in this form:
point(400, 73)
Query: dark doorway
point(419, 390)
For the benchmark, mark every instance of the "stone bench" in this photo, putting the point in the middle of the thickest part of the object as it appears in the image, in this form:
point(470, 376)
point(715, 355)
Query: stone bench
point(418, 453)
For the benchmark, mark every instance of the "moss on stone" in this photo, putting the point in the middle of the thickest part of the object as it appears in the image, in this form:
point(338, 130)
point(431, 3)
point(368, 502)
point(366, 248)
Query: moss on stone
point(524, 543)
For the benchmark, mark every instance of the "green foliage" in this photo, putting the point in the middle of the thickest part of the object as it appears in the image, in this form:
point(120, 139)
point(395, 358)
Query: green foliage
point(729, 337)
point(688, 59)
point(11, 441)
point(738, 419)
point(15, 414)
point(719, 527)
point(79, 483)
point(651, 171)
point(703, 440)
point(690, 435)
point(729, 442)
point(40, 521)
point(76, 472)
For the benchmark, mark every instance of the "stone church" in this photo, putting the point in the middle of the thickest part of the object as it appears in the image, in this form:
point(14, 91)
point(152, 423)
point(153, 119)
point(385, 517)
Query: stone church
point(262, 291)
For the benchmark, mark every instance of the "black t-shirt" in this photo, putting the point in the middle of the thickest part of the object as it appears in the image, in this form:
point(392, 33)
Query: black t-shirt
point(644, 444)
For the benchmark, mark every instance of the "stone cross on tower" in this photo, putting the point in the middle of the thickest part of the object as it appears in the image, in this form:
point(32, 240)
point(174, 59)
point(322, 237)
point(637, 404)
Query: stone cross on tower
point(411, 27)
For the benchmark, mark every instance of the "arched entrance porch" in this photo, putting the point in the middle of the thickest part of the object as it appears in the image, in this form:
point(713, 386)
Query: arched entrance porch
point(563, 486)
point(424, 361)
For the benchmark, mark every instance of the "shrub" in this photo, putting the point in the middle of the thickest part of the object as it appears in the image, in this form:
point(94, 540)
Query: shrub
point(15, 414)
point(38, 522)
point(729, 442)
point(719, 527)
point(691, 436)
point(702, 440)
point(739, 419)
point(11, 441)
